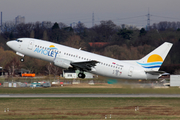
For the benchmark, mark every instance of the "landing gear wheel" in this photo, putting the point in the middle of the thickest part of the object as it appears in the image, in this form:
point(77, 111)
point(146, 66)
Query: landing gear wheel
point(22, 59)
point(81, 75)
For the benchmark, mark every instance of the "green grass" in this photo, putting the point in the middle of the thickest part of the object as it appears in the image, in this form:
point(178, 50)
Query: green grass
point(91, 90)
point(90, 108)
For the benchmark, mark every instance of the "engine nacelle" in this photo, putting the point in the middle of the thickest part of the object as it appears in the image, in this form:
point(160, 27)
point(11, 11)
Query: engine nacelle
point(63, 63)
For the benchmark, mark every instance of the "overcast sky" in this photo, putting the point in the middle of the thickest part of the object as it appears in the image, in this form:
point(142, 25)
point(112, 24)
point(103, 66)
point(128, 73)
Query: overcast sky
point(68, 11)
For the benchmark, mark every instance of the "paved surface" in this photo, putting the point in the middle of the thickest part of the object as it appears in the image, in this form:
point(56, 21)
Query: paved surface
point(88, 95)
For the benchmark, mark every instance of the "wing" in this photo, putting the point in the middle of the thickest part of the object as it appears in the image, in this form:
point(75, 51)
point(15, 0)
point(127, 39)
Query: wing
point(84, 66)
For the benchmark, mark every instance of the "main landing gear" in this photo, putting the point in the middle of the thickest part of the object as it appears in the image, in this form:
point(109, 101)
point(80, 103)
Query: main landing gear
point(81, 75)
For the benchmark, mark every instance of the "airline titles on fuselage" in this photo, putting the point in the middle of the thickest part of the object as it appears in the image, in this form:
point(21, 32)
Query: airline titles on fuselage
point(53, 52)
point(47, 51)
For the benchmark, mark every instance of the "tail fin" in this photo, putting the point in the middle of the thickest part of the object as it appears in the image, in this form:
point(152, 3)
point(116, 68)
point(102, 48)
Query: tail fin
point(154, 60)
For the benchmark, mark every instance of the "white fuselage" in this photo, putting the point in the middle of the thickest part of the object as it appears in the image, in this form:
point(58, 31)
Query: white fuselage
point(106, 67)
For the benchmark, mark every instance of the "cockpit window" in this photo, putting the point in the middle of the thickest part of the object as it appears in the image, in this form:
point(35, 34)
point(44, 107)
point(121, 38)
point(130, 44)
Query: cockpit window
point(19, 40)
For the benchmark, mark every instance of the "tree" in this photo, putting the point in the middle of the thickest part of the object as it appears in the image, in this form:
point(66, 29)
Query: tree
point(55, 26)
point(45, 36)
point(8, 28)
point(38, 30)
point(126, 34)
point(62, 25)
point(104, 31)
point(76, 42)
point(32, 34)
point(12, 65)
point(55, 36)
point(80, 29)
point(24, 30)
point(142, 32)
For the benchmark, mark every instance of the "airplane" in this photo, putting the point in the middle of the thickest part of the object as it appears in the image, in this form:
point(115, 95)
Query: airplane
point(77, 59)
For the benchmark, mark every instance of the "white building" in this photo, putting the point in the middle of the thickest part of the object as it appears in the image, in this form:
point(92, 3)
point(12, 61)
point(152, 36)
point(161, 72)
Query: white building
point(19, 19)
point(69, 74)
point(72, 74)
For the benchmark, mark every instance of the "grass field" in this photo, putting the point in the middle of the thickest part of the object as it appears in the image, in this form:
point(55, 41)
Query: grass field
point(90, 108)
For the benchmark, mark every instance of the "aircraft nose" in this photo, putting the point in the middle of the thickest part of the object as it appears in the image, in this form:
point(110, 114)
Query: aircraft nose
point(9, 43)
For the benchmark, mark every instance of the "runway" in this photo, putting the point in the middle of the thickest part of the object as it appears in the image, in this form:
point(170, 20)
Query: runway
point(89, 95)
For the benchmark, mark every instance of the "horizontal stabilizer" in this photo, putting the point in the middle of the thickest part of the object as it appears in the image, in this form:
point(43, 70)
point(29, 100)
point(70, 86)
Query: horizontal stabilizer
point(155, 72)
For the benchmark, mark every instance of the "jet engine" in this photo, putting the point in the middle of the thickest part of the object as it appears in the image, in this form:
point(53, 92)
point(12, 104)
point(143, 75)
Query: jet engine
point(63, 63)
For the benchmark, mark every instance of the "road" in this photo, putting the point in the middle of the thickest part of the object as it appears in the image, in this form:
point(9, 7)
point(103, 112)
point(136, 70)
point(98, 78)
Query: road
point(89, 95)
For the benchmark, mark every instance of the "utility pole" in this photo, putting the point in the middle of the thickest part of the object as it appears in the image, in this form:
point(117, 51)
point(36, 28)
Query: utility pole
point(1, 23)
point(92, 19)
point(148, 20)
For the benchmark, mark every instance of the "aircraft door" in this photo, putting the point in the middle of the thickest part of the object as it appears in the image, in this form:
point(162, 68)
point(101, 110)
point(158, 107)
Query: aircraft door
point(30, 46)
point(130, 71)
point(19, 45)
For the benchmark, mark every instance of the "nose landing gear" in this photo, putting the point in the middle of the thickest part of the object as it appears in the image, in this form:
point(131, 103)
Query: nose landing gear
point(22, 59)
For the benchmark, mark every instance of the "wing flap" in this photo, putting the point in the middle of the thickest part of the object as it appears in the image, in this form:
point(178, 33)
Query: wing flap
point(85, 66)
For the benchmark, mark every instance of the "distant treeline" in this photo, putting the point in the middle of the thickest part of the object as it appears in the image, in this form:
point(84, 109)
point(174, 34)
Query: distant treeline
point(120, 42)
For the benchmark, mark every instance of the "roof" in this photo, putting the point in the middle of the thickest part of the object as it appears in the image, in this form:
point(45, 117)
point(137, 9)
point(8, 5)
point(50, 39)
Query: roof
point(98, 44)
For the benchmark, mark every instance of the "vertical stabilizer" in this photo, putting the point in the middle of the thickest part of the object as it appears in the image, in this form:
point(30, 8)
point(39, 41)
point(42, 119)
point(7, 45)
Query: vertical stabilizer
point(154, 60)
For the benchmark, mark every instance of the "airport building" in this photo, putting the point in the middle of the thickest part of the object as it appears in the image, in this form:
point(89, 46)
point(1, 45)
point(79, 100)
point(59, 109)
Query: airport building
point(73, 74)
point(175, 80)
